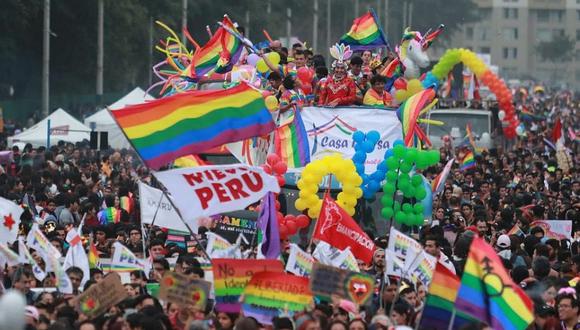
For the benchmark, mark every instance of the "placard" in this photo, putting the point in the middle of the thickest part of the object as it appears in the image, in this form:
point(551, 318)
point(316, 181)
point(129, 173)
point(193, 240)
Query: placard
point(182, 290)
point(327, 281)
point(231, 225)
point(101, 296)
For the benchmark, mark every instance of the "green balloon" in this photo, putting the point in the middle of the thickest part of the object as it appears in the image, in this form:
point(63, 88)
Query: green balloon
point(434, 157)
point(418, 208)
point(420, 193)
point(399, 151)
point(392, 176)
point(389, 188)
point(416, 180)
point(410, 193)
point(411, 155)
point(392, 163)
point(387, 213)
point(405, 177)
point(387, 200)
point(407, 207)
point(420, 164)
point(419, 219)
point(400, 217)
point(406, 167)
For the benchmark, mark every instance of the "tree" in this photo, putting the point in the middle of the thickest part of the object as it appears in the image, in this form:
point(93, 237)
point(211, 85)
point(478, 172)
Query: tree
point(556, 51)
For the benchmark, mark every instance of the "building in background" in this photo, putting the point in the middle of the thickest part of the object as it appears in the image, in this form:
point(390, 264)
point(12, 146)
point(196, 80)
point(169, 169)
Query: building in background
point(511, 30)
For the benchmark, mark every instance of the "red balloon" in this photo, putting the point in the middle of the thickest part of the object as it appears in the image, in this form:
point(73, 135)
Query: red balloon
point(400, 84)
point(305, 75)
point(272, 159)
point(279, 215)
point(281, 221)
point(283, 230)
point(277, 205)
point(302, 221)
point(267, 168)
point(280, 168)
point(290, 217)
point(281, 180)
point(292, 227)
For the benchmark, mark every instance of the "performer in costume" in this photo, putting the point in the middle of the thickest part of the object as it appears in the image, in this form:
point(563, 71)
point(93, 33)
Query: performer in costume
point(339, 89)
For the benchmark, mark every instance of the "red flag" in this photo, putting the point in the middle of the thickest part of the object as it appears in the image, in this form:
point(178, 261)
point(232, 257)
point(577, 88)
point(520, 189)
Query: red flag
point(338, 229)
point(557, 131)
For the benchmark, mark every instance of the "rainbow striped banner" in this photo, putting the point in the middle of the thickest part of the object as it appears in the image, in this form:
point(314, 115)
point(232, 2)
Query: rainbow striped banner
point(291, 141)
point(278, 290)
point(365, 33)
point(192, 122)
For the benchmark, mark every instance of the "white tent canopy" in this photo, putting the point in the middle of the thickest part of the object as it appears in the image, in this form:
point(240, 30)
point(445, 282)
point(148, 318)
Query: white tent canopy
point(64, 127)
point(104, 122)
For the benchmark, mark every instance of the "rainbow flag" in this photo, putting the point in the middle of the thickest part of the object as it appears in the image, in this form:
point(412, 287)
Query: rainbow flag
point(516, 230)
point(127, 203)
point(219, 54)
point(372, 98)
point(192, 122)
point(438, 184)
point(438, 312)
point(487, 292)
point(189, 161)
point(365, 33)
point(291, 141)
point(94, 261)
point(468, 161)
point(109, 215)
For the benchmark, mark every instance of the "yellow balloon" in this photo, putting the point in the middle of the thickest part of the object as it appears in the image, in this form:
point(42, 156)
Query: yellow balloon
point(313, 214)
point(300, 204)
point(271, 102)
point(414, 86)
point(261, 66)
point(400, 95)
point(273, 57)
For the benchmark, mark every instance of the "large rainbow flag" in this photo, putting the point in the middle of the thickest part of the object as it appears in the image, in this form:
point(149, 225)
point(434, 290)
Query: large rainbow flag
point(291, 141)
point(468, 161)
point(192, 122)
point(365, 33)
point(439, 312)
point(488, 293)
point(219, 54)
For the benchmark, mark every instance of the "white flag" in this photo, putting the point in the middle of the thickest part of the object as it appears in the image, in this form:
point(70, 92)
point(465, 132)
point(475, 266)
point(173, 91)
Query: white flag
point(210, 190)
point(63, 283)
point(26, 258)
point(394, 266)
point(124, 260)
point(9, 220)
point(325, 253)
point(219, 247)
point(8, 256)
point(153, 200)
point(402, 245)
point(36, 240)
point(347, 260)
point(299, 262)
point(422, 268)
point(76, 255)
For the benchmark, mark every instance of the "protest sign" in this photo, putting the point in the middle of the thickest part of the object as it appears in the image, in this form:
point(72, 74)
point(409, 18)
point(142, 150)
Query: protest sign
point(156, 207)
point(210, 190)
point(402, 245)
point(558, 229)
point(182, 290)
point(330, 131)
point(233, 224)
point(299, 262)
point(422, 268)
point(326, 281)
point(232, 275)
point(97, 299)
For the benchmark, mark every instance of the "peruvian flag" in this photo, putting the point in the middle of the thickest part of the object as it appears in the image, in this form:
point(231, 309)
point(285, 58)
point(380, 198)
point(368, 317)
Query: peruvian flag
point(337, 228)
point(9, 220)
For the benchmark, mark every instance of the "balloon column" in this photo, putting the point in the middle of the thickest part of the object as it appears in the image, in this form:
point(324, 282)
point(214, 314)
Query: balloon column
point(497, 86)
point(315, 171)
point(288, 224)
point(400, 161)
point(364, 144)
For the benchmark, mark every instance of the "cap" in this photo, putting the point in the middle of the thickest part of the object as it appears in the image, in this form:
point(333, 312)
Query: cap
point(504, 241)
point(32, 312)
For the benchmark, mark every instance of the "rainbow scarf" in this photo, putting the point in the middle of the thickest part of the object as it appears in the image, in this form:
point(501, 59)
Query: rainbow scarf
point(488, 293)
point(109, 215)
point(372, 98)
point(192, 122)
point(468, 161)
point(219, 54)
point(291, 141)
point(365, 33)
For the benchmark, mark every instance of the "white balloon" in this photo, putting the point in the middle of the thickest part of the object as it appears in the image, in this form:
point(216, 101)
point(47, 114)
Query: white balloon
point(252, 59)
point(501, 115)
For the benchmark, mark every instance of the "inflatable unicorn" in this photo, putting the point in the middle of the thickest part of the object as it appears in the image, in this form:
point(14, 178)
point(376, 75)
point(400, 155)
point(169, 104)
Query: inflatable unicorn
point(412, 54)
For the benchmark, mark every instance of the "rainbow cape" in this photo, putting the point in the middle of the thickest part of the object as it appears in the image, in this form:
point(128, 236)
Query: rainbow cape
point(291, 141)
point(487, 292)
point(439, 306)
point(468, 161)
point(365, 33)
point(372, 98)
point(219, 54)
point(192, 122)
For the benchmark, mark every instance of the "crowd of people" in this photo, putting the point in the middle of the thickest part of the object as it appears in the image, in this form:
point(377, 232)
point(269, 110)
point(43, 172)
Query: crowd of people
point(535, 178)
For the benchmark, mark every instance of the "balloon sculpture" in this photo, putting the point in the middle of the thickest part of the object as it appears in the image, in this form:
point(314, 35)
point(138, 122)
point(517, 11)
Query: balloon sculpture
point(288, 224)
point(400, 161)
point(364, 144)
point(315, 171)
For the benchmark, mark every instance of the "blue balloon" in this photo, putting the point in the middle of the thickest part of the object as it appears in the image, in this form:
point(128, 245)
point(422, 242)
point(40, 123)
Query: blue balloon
point(358, 136)
point(388, 153)
point(382, 167)
point(359, 157)
point(373, 136)
point(378, 176)
point(365, 178)
point(360, 168)
point(398, 142)
point(374, 185)
point(367, 194)
point(368, 146)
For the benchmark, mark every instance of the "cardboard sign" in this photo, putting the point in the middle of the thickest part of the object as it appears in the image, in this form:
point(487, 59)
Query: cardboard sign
point(326, 281)
point(558, 229)
point(210, 190)
point(231, 277)
point(182, 290)
point(101, 296)
point(231, 225)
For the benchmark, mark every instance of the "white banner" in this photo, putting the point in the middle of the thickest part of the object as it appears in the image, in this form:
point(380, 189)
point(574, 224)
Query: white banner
point(330, 130)
point(299, 262)
point(394, 265)
point(402, 245)
point(558, 229)
point(167, 217)
point(210, 190)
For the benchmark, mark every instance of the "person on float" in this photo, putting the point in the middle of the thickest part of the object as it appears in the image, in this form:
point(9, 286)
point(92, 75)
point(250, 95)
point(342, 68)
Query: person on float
point(339, 89)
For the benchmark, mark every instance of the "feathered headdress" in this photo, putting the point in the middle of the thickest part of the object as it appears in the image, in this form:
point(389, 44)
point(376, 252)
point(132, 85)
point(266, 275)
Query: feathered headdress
point(341, 53)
